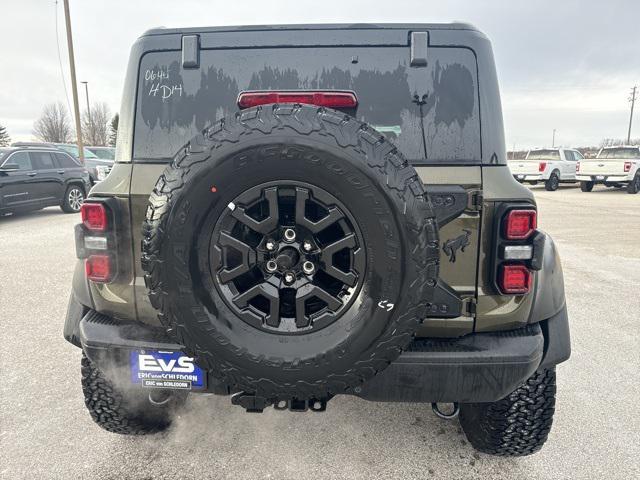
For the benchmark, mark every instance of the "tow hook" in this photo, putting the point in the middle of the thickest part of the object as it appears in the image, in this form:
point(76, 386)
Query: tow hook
point(447, 416)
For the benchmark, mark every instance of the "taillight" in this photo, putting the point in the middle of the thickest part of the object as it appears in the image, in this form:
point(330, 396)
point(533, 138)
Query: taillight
point(514, 279)
point(577, 167)
point(520, 224)
point(94, 216)
point(627, 167)
point(330, 99)
point(98, 268)
point(542, 166)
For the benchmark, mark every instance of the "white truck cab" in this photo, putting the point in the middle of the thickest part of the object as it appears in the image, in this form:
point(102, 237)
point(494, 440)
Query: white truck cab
point(612, 167)
point(549, 165)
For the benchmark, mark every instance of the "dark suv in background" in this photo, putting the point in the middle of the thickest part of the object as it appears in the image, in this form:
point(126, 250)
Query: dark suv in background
point(34, 177)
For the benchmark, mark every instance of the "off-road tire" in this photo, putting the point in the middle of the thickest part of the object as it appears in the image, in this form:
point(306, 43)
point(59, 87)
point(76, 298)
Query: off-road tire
point(634, 185)
point(517, 425)
point(586, 186)
point(281, 141)
point(127, 413)
point(552, 184)
point(67, 204)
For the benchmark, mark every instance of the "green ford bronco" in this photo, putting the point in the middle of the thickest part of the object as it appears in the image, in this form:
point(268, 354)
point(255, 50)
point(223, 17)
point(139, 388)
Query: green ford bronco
point(302, 211)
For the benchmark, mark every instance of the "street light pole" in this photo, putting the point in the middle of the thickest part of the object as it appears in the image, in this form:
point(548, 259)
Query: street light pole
point(86, 91)
point(553, 140)
point(74, 86)
point(632, 99)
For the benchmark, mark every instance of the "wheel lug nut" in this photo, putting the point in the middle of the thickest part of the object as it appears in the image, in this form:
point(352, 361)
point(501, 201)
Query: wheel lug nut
point(289, 234)
point(308, 267)
point(289, 278)
point(272, 266)
point(270, 245)
point(306, 246)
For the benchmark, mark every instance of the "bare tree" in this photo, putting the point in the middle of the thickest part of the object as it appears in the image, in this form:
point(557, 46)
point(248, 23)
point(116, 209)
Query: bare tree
point(95, 125)
point(53, 125)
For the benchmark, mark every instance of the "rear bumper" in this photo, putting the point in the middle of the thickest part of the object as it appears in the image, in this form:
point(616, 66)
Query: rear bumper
point(479, 367)
point(604, 178)
point(530, 177)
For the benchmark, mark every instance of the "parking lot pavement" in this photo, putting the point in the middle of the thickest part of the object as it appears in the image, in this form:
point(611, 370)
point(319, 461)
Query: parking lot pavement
point(45, 431)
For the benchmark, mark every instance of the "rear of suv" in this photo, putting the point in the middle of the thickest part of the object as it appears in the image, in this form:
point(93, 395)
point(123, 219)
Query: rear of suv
point(298, 212)
point(38, 176)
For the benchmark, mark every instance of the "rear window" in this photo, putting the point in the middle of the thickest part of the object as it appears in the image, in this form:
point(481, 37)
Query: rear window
point(65, 161)
point(431, 113)
point(619, 153)
point(544, 155)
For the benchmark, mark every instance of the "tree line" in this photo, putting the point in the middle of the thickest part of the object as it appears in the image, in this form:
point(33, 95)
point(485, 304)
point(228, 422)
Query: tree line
point(54, 125)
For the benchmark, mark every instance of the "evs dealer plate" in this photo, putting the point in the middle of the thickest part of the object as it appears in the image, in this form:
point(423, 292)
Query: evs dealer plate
point(165, 369)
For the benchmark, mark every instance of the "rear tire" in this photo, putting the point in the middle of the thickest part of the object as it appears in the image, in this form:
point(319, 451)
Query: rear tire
point(517, 425)
point(553, 183)
point(73, 198)
point(125, 412)
point(634, 185)
point(586, 186)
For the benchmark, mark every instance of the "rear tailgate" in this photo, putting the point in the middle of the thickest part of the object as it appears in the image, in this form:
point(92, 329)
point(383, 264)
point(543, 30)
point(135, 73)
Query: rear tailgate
point(599, 166)
point(524, 167)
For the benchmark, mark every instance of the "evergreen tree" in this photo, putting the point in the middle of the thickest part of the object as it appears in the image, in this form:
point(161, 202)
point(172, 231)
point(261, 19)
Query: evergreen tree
point(5, 139)
point(113, 130)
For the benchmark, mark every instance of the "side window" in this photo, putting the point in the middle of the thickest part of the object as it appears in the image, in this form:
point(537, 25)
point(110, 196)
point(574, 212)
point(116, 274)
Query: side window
point(21, 159)
point(65, 161)
point(577, 155)
point(42, 160)
point(568, 154)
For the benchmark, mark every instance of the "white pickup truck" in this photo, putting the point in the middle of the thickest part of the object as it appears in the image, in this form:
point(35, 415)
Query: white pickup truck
point(613, 167)
point(549, 165)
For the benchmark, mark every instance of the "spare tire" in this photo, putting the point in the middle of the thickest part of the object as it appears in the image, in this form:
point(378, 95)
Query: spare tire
point(292, 250)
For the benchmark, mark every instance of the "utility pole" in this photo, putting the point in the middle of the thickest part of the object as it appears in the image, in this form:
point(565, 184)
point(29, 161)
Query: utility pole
point(632, 99)
point(86, 91)
point(553, 139)
point(74, 86)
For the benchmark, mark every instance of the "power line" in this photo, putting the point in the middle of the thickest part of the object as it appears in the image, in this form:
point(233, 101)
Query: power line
point(64, 83)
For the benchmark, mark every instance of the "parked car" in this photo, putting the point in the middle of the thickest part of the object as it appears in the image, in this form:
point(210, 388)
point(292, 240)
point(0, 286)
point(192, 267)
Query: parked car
point(98, 167)
point(612, 167)
point(281, 246)
point(38, 176)
point(105, 153)
point(549, 165)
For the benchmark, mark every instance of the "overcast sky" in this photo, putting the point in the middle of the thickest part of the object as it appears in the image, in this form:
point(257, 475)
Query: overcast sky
point(562, 64)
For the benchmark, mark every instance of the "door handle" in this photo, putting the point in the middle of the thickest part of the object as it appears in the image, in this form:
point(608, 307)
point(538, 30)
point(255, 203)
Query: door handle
point(32, 174)
point(61, 171)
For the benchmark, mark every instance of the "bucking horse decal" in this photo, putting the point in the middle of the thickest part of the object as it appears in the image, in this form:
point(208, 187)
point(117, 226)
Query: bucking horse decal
point(450, 247)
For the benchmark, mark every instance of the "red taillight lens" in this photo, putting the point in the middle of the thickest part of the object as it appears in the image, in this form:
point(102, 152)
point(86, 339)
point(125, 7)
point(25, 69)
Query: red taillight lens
point(98, 268)
point(577, 167)
point(520, 224)
point(514, 279)
point(627, 167)
point(94, 216)
point(331, 99)
point(542, 166)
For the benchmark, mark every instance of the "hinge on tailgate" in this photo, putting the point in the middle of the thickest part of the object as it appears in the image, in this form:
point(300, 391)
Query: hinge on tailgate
point(469, 306)
point(475, 199)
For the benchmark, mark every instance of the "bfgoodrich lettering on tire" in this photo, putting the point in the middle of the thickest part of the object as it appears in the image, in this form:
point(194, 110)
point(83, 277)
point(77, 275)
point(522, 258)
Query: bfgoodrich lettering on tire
point(291, 250)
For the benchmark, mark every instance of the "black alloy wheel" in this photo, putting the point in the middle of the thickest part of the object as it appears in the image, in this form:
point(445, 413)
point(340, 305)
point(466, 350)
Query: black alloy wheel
point(287, 257)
